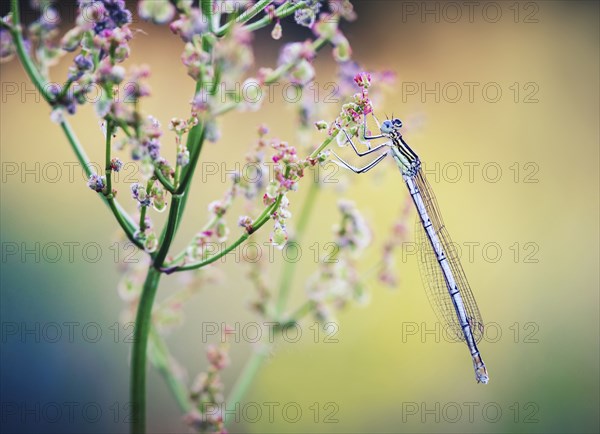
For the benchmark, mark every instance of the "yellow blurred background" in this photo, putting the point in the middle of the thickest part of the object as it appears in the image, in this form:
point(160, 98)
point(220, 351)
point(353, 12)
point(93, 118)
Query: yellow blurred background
point(533, 226)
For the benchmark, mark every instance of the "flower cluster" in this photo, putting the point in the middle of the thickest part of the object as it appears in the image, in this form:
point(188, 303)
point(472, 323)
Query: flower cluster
point(97, 183)
point(353, 232)
point(216, 230)
point(191, 23)
point(116, 165)
point(146, 146)
point(152, 195)
point(181, 127)
point(207, 390)
point(328, 28)
point(7, 46)
point(307, 15)
point(102, 36)
point(287, 172)
point(350, 118)
point(338, 280)
point(302, 55)
point(398, 235)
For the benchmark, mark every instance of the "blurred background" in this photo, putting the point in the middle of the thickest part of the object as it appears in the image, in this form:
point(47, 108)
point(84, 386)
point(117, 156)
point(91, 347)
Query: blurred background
point(501, 103)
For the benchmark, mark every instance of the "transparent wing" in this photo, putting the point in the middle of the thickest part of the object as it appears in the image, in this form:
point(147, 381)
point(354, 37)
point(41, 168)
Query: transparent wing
point(432, 275)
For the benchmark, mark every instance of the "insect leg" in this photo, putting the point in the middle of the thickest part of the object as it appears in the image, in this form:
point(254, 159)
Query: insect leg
point(362, 169)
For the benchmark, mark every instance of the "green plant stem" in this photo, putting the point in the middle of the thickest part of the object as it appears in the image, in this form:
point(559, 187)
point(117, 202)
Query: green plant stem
point(281, 12)
point(38, 81)
point(244, 381)
point(254, 363)
point(245, 17)
point(122, 217)
point(124, 220)
point(256, 225)
point(207, 11)
point(289, 267)
point(271, 79)
point(107, 166)
point(143, 323)
point(316, 45)
point(181, 254)
point(161, 363)
point(169, 232)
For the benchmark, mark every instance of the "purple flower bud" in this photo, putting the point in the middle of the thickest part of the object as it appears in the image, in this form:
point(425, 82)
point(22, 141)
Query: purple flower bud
point(183, 158)
point(7, 48)
point(83, 63)
point(116, 164)
point(96, 183)
point(245, 222)
point(306, 16)
point(263, 130)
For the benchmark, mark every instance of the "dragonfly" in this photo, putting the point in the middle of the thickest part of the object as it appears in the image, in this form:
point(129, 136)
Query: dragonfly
point(442, 274)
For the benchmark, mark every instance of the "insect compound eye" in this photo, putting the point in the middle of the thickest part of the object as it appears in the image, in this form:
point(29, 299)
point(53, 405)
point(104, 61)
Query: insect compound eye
point(387, 127)
point(397, 123)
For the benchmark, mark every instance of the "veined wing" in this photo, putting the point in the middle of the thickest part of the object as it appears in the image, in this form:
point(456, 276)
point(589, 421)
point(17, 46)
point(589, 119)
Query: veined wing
point(432, 275)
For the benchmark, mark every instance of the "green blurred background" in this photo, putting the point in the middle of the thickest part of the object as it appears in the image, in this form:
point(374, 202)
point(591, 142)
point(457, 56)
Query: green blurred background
point(540, 295)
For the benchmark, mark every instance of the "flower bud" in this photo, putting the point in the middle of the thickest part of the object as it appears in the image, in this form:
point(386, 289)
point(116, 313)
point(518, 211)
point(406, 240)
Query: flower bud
point(151, 243)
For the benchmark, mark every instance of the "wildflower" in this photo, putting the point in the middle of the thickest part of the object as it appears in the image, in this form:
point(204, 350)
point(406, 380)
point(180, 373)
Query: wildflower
point(363, 80)
point(178, 125)
point(279, 236)
point(321, 125)
point(156, 11)
point(110, 74)
point(397, 237)
point(151, 128)
point(263, 130)
point(151, 243)
point(153, 148)
point(136, 86)
point(140, 194)
point(217, 208)
point(353, 232)
point(251, 95)
point(189, 24)
point(71, 40)
point(7, 48)
point(302, 54)
point(217, 357)
point(159, 196)
point(106, 14)
point(343, 8)
point(116, 164)
point(245, 222)
point(326, 26)
point(201, 101)
point(183, 158)
point(307, 15)
point(341, 50)
point(221, 230)
point(212, 132)
point(96, 182)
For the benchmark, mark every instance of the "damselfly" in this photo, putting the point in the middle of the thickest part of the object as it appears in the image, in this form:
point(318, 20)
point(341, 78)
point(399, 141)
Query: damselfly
point(442, 274)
